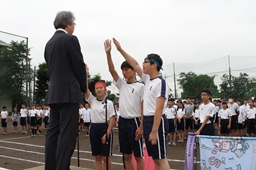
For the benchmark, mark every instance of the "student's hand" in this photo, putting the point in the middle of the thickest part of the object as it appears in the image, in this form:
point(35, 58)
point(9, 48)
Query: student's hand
point(198, 132)
point(107, 45)
point(118, 46)
point(153, 138)
point(219, 126)
point(196, 122)
point(103, 139)
point(138, 133)
point(229, 126)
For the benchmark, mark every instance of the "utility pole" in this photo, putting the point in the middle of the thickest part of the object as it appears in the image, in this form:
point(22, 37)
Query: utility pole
point(174, 79)
point(229, 74)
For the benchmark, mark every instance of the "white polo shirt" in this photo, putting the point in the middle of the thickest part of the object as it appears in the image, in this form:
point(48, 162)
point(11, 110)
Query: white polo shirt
point(206, 110)
point(4, 114)
point(98, 110)
point(154, 88)
point(87, 115)
point(23, 112)
point(224, 114)
point(170, 112)
point(39, 112)
point(180, 112)
point(130, 98)
point(250, 113)
point(46, 112)
point(32, 113)
point(196, 113)
point(233, 108)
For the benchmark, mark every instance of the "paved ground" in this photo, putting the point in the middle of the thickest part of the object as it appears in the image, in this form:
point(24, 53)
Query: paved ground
point(20, 151)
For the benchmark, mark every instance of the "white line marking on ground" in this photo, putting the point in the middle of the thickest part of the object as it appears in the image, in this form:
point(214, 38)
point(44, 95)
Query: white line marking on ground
point(87, 152)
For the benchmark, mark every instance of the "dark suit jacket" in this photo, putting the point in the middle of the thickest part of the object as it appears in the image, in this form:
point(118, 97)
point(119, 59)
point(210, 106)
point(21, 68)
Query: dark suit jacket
point(66, 68)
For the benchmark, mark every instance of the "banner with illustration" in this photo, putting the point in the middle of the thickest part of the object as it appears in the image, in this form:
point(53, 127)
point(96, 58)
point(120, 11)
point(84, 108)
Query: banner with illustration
point(227, 153)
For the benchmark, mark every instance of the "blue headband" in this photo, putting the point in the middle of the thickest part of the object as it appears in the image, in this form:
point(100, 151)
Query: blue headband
point(156, 62)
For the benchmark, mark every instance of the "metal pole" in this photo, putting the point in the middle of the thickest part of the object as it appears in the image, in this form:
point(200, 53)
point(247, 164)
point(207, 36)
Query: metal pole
point(34, 84)
point(27, 102)
point(229, 74)
point(174, 79)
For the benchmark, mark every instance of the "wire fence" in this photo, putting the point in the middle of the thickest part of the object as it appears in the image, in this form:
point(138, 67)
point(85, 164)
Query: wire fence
point(217, 68)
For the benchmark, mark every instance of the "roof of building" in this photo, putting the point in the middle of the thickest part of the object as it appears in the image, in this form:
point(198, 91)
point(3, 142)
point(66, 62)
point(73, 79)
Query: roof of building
point(3, 44)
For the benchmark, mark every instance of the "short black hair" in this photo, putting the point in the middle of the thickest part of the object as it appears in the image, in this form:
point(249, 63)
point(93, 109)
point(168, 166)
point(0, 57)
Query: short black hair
point(206, 91)
point(4, 107)
point(171, 100)
point(157, 58)
point(230, 96)
point(125, 64)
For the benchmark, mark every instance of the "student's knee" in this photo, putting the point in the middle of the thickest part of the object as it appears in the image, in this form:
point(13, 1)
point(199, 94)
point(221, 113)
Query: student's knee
point(139, 159)
point(98, 158)
point(128, 157)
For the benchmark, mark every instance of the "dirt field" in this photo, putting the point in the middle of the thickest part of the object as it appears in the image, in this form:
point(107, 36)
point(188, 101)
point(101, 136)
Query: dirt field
point(21, 151)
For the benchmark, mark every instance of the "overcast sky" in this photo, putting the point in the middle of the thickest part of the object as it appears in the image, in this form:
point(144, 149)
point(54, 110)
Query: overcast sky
point(181, 31)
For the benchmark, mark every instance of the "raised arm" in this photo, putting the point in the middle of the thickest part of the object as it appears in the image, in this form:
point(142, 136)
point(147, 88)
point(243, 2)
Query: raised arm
point(129, 58)
point(87, 93)
point(111, 67)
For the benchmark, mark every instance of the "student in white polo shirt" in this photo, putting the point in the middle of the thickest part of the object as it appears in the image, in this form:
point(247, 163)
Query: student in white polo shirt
point(206, 112)
point(234, 108)
point(98, 128)
point(131, 114)
point(4, 119)
point(250, 116)
point(224, 115)
point(33, 123)
point(171, 113)
point(156, 93)
point(23, 118)
point(87, 118)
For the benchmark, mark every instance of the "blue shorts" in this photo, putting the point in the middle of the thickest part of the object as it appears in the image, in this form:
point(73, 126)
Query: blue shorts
point(181, 125)
point(172, 125)
point(33, 121)
point(23, 121)
point(208, 129)
point(157, 151)
point(127, 142)
point(4, 123)
point(97, 131)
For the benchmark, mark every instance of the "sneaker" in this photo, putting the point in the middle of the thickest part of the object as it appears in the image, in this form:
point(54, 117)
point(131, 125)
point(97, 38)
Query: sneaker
point(4, 133)
point(169, 143)
point(22, 132)
point(173, 144)
point(181, 140)
point(26, 132)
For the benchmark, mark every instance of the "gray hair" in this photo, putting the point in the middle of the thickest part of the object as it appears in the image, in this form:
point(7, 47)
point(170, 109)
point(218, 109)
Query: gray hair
point(63, 18)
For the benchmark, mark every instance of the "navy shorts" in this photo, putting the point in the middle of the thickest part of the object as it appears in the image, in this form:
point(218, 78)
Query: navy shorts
point(46, 118)
point(33, 121)
point(241, 126)
point(127, 129)
point(189, 123)
point(224, 126)
point(97, 131)
point(172, 125)
point(196, 127)
point(157, 151)
point(87, 124)
point(14, 123)
point(250, 123)
point(181, 124)
point(23, 121)
point(4, 123)
point(39, 121)
point(234, 122)
point(208, 130)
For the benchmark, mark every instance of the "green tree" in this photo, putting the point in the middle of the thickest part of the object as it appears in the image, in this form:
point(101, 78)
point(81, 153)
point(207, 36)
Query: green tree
point(42, 82)
point(13, 72)
point(192, 84)
point(241, 86)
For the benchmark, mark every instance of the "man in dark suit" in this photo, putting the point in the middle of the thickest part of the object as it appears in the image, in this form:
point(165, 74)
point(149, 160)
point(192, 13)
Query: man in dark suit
point(67, 84)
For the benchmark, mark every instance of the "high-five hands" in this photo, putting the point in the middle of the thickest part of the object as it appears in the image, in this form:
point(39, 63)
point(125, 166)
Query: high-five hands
point(107, 45)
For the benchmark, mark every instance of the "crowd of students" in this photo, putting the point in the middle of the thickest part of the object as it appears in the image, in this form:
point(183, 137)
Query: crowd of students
point(226, 117)
point(29, 117)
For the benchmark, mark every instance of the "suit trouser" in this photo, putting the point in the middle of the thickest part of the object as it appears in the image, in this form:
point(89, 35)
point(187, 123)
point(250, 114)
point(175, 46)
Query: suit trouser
point(61, 136)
